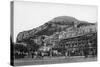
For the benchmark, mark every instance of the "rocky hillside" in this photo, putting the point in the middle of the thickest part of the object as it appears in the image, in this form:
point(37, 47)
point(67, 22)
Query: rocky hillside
point(61, 27)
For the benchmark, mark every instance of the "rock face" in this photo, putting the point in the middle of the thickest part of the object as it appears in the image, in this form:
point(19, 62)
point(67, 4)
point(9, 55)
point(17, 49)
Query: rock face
point(61, 27)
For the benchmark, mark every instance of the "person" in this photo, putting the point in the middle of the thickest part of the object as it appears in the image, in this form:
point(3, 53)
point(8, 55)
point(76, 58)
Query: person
point(32, 54)
point(86, 50)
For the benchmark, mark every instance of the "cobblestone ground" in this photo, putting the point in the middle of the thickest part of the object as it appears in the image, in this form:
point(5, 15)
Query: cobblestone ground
point(53, 60)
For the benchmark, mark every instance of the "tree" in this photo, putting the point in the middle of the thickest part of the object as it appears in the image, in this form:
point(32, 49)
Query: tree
point(20, 50)
point(20, 47)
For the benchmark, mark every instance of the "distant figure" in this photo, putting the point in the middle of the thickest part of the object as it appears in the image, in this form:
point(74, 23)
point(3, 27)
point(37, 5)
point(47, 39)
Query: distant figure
point(32, 54)
point(86, 50)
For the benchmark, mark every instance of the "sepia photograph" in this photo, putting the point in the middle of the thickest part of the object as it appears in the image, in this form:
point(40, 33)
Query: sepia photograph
point(52, 33)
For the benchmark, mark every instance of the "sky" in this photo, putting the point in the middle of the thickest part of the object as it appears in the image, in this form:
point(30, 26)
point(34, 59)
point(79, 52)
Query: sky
point(29, 15)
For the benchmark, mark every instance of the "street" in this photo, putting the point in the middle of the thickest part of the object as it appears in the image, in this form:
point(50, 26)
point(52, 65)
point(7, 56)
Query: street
point(53, 60)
